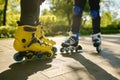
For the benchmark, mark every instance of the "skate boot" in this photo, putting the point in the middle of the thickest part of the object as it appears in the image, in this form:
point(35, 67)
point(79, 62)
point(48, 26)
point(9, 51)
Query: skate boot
point(41, 35)
point(96, 39)
point(71, 44)
point(29, 46)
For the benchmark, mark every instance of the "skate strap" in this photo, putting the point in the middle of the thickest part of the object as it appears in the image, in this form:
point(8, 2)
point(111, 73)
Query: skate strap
point(96, 36)
point(72, 35)
point(72, 40)
point(30, 29)
point(34, 40)
point(41, 37)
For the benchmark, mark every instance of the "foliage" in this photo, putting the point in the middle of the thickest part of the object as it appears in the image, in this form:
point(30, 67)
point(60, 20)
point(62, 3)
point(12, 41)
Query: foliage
point(47, 19)
point(106, 19)
point(57, 20)
point(62, 9)
point(53, 25)
point(7, 31)
point(12, 19)
point(1, 10)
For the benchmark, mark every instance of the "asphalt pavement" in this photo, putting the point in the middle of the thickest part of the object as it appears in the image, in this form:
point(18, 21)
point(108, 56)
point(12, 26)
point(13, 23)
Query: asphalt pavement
point(84, 65)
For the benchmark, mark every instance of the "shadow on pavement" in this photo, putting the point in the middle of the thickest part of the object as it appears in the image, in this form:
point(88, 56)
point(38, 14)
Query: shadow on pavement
point(21, 71)
point(93, 69)
point(112, 58)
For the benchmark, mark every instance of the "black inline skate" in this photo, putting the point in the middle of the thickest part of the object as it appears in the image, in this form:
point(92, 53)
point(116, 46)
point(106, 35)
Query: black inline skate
point(96, 39)
point(70, 45)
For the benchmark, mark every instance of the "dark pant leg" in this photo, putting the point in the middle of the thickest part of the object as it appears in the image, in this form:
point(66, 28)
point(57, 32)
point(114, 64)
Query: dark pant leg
point(94, 10)
point(77, 14)
point(29, 12)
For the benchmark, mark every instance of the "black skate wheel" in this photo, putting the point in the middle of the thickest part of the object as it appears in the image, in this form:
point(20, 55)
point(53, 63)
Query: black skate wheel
point(98, 49)
point(54, 49)
point(78, 48)
point(48, 55)
point(67, 51)
point(71, 51)
point(62, 50)
point(18, 56)
point(29, 56)
point(39, 56)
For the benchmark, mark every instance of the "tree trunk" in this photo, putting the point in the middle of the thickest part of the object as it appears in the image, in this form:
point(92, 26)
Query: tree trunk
point(4, 12)
point(68, 14)
point(69, 19)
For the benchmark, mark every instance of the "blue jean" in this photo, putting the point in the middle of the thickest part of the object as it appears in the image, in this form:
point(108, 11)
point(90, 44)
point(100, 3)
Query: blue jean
point(77, 14)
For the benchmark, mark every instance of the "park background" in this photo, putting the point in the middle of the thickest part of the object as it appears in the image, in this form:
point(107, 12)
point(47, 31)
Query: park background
point(56, 16)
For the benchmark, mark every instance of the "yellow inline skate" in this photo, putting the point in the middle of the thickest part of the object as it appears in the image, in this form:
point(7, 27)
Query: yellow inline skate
point(29, 46)
point(41, 35)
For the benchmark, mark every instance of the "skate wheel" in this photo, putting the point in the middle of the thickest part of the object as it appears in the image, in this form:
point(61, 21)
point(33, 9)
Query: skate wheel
point(67, 51)
point(71, 51)
point(54, 49)
point(39, 56)
point(98, 49)
point(62, 50)
point(29, 56)
point(78, 48)
point(48, 55)
point(18, 57)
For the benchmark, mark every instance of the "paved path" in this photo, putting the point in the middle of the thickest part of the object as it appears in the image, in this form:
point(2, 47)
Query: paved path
point(87, 65)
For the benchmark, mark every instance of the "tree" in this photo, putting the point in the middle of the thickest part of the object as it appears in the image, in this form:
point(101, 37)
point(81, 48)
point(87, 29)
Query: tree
point(111, 6)
point(4, 12)
point(62, 8)
point(106, 19)
point(11, 6)
point(1, 11)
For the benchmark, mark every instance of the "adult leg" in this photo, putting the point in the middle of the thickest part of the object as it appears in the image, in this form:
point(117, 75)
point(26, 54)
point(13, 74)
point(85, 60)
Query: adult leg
point(29, 12)
point(94, 10)
point(77, 14)
point(25, 36)
point(76, 20)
